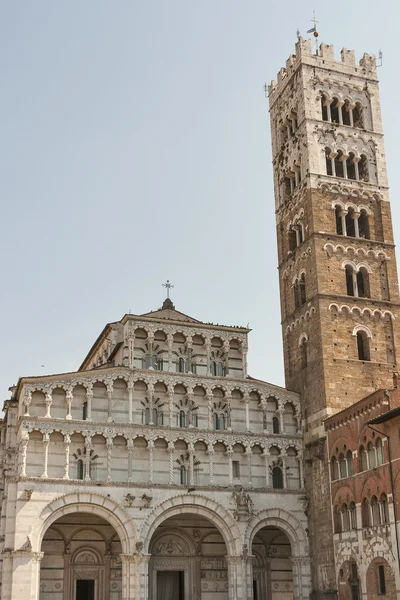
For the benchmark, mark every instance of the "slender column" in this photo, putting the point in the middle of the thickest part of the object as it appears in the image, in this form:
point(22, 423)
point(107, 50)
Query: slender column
point(109, 454)
point(228, 399)
point(171, 449)
point(266, 460)
point(209, 404)
point(229, 454)
point(170, 340)
point(131, 351)
point(296, 178)
point(67, 442)
point(244, 359)
point(68, 398)
point(130, 459)
point(170, 406)
point(48, 401)
point(210, 452)
point(356, 170)
point(226, 351)
point(355, 284)
point(339, 105)
point(46, 441)
point(344, 167)
point(351, 107)
point(189, 396)
point(248, 455)
point(88, 447)
point(189, 348)
point(89, 398)
point(297, 231)
point(110, 391)
point(191, 464)
point(356, 216)
point(301, 471)
point(131, 386)
point(246, 405)
point(208, 349)
point(150, 341)
point(343, 214)
point(23, 450)
point(150, 446)
point(150, 394)
point(284, 472)
point(281, 412)
point(27, 402)
point(328, 109)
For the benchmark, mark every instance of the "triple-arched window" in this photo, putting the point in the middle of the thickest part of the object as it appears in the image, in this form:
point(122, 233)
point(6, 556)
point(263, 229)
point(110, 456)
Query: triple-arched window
point(342, 112)
point(346, 166)
point(351, 222)
point(375, 512)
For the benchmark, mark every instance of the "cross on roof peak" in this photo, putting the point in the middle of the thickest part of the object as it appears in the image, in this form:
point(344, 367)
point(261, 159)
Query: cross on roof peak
point(168, 285)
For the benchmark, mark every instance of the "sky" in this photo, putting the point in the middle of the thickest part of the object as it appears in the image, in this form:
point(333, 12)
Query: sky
point(135, 148)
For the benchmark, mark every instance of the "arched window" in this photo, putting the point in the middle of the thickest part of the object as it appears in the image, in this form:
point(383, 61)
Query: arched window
point(182, 418)
point(379, 452)
point(146, 415)
point(371, 456)
point(184, 477)
point(346, 113)
point(324, 110)
point(363, 346)
point(363, 283)
point(79, 469)
point(334, 468)
point(345, 518)
point(358, 120)
point(277, 478)
point(353, 515)
point(329, 162)
point(339, 169)
point(376, 515)
point(302, 289)
point(363, 459)
point(363, 168)
point(350, 227)
point(365, 513)
point(342, 466)
point(338, 218)
point(337, 520)
point(350, 280)
point(335, 111)
point(181, 365)
point(84, 411)
point(384, 509)
point(363, 225)
point(304, 352)
point(351, 167)
point(349, 459)
point(219, 421)
point(275, 425)
point(292, 240)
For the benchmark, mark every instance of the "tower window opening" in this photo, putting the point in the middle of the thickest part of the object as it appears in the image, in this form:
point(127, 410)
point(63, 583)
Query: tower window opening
point(329, 162)
point(289, 186)
point(346, 113)
point(304, 353)
point(292, 240)
point(338, 217)
point(350, 281)
point(345, 518)
point(381, 580)
point(335, 109)
point(302, 289)
point(352, 170)
point(363, 283)
point(363, 346)
point(363, 225)
point(350, 227)
point(358, 120)
point(324, 108)
point(277, 478)
point(363, 168)
point(339, 169)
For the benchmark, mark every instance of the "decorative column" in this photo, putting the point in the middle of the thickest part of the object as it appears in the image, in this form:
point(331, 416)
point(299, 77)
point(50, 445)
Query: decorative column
point(355, 284)
point(281, 412)
point(143, 576)
point(351, 108)
point(88, 447)
point(226, 351)
point(301, 470)
point(247, 402)
point(68, 398)
point(109, 453)
point(110, 391)
point(67, 442)
point(170, 341)
point(266, 460)
point(332, 156)
point(228, 399)
point(171, 449)
point(131, 350)
point(208, 350)
point(189, 349)
point(170, 405)
point(27, 402)
point(23, 449)
point(343, 215)
point(248, 455)
point(191, 464)
point(339, 105)
point(344, 161)
point(150, 342)
point(284, 472)
point(189, 396)
point(131, 386)
point(235, 578)
point(229, 454)
point(46, 441)
point(130, 445)
point(210, 452)
point(89, 398)
point(150, 446)
point(150, 396)
point(244, 358)
point(210, 407)
point(48, 400)
point(356, 216)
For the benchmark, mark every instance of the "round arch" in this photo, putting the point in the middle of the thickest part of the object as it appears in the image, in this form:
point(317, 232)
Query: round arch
point(199, 505)
point(284, 520)
point(91, 503)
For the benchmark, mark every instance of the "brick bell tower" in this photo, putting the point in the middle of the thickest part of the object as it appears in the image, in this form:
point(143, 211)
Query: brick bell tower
point(337, 267)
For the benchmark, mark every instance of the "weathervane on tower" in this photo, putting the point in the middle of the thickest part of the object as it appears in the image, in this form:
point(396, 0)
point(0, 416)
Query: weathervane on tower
point(314, 31)
point(168, 285)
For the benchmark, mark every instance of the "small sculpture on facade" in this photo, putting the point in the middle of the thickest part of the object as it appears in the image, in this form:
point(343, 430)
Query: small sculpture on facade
point(244, 505)
point(129, 500)
point(146, 501)
point(139, 546)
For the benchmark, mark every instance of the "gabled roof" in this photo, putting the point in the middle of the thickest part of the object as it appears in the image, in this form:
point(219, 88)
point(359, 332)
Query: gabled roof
point(168, 311)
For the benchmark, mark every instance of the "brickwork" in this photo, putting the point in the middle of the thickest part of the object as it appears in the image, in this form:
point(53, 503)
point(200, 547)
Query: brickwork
point(337, 265)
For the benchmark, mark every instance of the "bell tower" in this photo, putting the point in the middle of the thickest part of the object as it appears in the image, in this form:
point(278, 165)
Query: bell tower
point(337, 267)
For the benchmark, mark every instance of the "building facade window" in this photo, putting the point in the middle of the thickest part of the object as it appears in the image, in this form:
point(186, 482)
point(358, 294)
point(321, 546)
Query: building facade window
point(277, 478)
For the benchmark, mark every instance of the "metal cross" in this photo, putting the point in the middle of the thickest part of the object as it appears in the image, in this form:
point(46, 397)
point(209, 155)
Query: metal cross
point(168, 285)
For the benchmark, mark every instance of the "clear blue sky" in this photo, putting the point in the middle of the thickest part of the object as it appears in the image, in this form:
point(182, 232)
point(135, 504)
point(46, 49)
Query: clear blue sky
point(135, 147)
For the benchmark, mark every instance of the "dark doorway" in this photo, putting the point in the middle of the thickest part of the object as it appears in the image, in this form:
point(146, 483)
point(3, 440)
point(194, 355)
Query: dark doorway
point(170, 585)
point(255, 590)
point(85, 589)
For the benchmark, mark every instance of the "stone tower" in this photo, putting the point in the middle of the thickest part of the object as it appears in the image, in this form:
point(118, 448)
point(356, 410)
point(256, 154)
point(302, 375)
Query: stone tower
point(337, 268)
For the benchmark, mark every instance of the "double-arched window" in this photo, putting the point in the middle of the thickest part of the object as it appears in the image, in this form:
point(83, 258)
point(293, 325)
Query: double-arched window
point(357, 281)
point(219, 421)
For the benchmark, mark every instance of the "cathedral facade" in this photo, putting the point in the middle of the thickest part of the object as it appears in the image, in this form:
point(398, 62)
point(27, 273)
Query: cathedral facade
point(158, 471)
